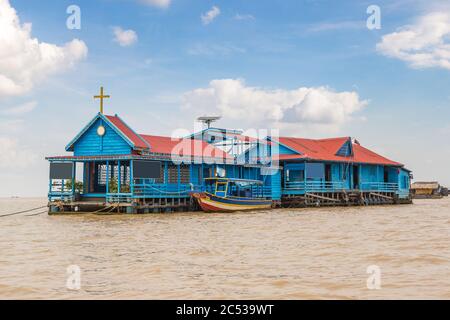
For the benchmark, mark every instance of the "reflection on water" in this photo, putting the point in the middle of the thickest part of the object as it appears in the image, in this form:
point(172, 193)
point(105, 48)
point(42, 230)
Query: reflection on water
point(285, 254)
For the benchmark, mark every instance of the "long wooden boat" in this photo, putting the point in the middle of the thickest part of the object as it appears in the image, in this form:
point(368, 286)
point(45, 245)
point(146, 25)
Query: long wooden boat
point(224, 198)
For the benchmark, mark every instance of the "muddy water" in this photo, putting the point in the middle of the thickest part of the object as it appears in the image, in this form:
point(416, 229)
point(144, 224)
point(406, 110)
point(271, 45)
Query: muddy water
point(285, 254)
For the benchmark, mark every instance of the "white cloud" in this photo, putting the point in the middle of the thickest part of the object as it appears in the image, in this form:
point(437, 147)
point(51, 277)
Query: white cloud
point(424, 44)
point(209, 16)
point(334, 26)
point(124, 38)
point(157, 3)
point(14, 156)
point(239, 16)
point(254, 107)
point(11, 125)
point(20, 109)
point(214, 50)
point(24, 60)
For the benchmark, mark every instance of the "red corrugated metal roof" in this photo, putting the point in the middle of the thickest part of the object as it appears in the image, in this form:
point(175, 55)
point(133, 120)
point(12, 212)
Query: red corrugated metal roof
point(128, 132)
point(168, 145)
point(184, 147)
point(326, 149)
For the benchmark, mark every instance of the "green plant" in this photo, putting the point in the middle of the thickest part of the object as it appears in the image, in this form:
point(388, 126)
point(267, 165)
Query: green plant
point(113, 187)
point(78, 186)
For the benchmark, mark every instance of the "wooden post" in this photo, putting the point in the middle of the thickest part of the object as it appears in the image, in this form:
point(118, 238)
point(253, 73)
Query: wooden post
point(166, 172)
point(74, 175)
point(305, 178)
point(107, 176)
point(50, 183)
point(131, 178)
point(119, 176)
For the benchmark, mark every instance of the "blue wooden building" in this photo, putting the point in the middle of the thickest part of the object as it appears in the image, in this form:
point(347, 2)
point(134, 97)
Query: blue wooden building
point(113, 167)
point(110, 167)
point(332, 171)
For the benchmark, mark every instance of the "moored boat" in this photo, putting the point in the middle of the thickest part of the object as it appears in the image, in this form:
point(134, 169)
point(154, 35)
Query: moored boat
point(228, 195)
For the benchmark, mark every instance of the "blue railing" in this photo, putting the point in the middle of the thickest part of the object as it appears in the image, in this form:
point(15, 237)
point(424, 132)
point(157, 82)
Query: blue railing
point(118, 197)
point(146, 188)
point(315, 186)
point(65, 196)
point(379, 186)
point(331, 186)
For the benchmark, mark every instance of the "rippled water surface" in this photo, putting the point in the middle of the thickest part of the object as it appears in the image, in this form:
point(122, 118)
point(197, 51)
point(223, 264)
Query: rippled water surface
point(283, 254)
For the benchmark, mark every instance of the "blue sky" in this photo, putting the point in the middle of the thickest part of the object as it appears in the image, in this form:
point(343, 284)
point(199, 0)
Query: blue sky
point(363, 83)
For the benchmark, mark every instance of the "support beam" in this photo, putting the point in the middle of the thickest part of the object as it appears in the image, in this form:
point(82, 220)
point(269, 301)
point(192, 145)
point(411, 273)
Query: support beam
point(119, 176)
point(322, 197)
point(131, 177)
point(74, 176)
point(107, 176)
point(381, 196)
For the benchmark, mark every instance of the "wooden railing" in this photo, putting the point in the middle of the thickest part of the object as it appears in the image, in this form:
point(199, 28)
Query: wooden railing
point(315, 186)
point(331, 186)
point(145, 188)
point(379, 186)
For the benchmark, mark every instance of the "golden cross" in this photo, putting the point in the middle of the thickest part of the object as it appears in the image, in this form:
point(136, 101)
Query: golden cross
point(101, 97)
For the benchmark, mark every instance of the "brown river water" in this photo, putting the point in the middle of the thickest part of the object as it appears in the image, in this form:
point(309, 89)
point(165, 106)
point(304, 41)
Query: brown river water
point(318, 253)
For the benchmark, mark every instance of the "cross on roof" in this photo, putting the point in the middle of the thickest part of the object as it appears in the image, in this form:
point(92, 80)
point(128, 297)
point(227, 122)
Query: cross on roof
point(101, 97)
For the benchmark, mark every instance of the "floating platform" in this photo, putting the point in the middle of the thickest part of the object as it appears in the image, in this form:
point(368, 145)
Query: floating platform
point(169, 205)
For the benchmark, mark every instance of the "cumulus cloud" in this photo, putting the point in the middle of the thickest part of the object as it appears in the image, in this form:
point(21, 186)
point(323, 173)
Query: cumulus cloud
point(254, 107)
point(124, 38)
point(24, 60)
point(20, 109)
point(424, 44)
point(14, 156)
point(157, 3)
point(209, 16)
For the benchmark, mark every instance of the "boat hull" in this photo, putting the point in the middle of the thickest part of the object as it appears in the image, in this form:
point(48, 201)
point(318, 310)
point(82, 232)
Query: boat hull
point(211, 203)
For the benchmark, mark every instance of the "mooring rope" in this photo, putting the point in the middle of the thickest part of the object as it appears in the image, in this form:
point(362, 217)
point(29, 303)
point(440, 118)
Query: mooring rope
point(19, 212)
point(168, 192)
point(35, 214)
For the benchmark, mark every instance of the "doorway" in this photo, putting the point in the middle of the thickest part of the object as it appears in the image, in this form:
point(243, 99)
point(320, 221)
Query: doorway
point(355, 177)
point(328, 172)
point(386, 174)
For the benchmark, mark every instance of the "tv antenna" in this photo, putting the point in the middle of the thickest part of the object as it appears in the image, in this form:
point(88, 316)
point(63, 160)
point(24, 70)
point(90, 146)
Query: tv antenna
point(208, 120)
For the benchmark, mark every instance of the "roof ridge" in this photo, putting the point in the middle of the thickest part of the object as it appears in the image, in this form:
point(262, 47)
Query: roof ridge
point(173, 138)
point(132, 130)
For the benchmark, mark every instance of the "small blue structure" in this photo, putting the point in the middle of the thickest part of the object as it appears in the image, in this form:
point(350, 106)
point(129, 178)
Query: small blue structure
point(138, 172)
point(336, 171)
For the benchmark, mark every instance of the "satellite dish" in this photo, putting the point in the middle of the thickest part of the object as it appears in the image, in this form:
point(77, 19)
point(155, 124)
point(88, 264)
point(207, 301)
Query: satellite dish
point(208, 120)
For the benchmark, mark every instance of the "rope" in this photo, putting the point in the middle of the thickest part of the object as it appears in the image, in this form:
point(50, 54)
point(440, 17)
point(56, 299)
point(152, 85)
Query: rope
point(100, 210)
point(35, 214)
point(165, 192)
point(19, 212)
point(111, 208)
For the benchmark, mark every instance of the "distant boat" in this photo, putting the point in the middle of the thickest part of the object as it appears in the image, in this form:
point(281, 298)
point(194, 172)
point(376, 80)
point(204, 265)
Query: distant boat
point(428, 190)
point(228, 195)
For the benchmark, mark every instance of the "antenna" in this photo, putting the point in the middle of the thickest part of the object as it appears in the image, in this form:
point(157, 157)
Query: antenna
point(208, 120)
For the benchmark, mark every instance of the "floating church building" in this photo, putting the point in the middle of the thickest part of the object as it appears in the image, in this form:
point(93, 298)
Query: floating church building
point(112, 168)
